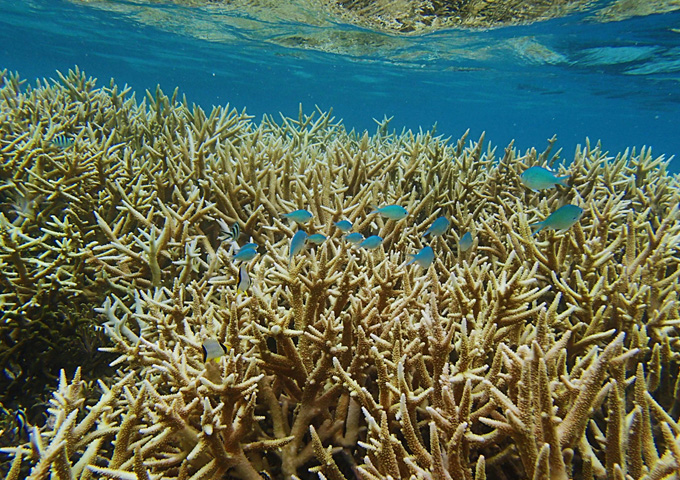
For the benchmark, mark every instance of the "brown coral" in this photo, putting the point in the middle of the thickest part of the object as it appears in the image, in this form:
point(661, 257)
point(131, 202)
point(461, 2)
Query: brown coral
point(547, 356)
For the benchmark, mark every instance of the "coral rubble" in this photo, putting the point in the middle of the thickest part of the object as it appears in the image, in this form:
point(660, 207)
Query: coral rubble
point(552, 356)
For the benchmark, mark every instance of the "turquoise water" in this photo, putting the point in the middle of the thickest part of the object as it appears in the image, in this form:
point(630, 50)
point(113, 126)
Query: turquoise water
point(572, 77)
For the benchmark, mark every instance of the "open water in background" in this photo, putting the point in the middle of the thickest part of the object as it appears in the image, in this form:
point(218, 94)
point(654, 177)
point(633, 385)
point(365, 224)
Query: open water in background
point(573, 77)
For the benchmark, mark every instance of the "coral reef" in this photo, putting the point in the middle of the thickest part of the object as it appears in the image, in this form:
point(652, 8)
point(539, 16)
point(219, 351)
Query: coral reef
point(46, 286)
point(547, 356)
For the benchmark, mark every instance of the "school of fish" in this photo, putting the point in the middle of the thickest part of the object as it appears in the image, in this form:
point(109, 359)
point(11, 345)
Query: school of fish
point(535, 178)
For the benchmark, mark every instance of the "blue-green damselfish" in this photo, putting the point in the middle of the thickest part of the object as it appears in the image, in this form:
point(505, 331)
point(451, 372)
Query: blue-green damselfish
point(392, 212)
point(561, 219)
point(438, 227)
point(539, 178)
point(423, 258)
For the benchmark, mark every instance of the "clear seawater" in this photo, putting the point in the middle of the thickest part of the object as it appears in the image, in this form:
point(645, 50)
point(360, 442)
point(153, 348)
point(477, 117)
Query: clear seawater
point(574, 77)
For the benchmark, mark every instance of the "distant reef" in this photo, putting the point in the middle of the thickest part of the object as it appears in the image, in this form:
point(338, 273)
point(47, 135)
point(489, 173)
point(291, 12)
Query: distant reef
point(503, 352)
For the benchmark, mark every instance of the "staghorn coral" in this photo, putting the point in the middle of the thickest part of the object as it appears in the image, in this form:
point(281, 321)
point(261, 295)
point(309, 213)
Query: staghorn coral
point(547, 356)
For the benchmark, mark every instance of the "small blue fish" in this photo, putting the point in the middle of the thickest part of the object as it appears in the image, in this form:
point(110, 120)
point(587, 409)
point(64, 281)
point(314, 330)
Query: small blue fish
point(392, 212)
point(297, 243)
point(316, 238)
point(561, 219)
point(213, 350)
point(424, 257)
point(62, 141)
point(299, 216)
point(371, 243)
point(245, 254)
point(539, 178)
point(465, 242)
point(438, 227)
point(244, 281)
point(250, 245)
point(354, 238)
point(344, 225)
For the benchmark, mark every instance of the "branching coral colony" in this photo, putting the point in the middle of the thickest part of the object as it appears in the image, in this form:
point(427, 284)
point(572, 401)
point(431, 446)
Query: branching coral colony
point(548, 356)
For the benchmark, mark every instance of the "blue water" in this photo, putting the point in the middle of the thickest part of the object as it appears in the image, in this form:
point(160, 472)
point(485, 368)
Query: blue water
point(617, 82)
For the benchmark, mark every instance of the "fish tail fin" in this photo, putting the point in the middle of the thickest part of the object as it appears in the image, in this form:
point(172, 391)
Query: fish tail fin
point(540, 226)
point(564, 181)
